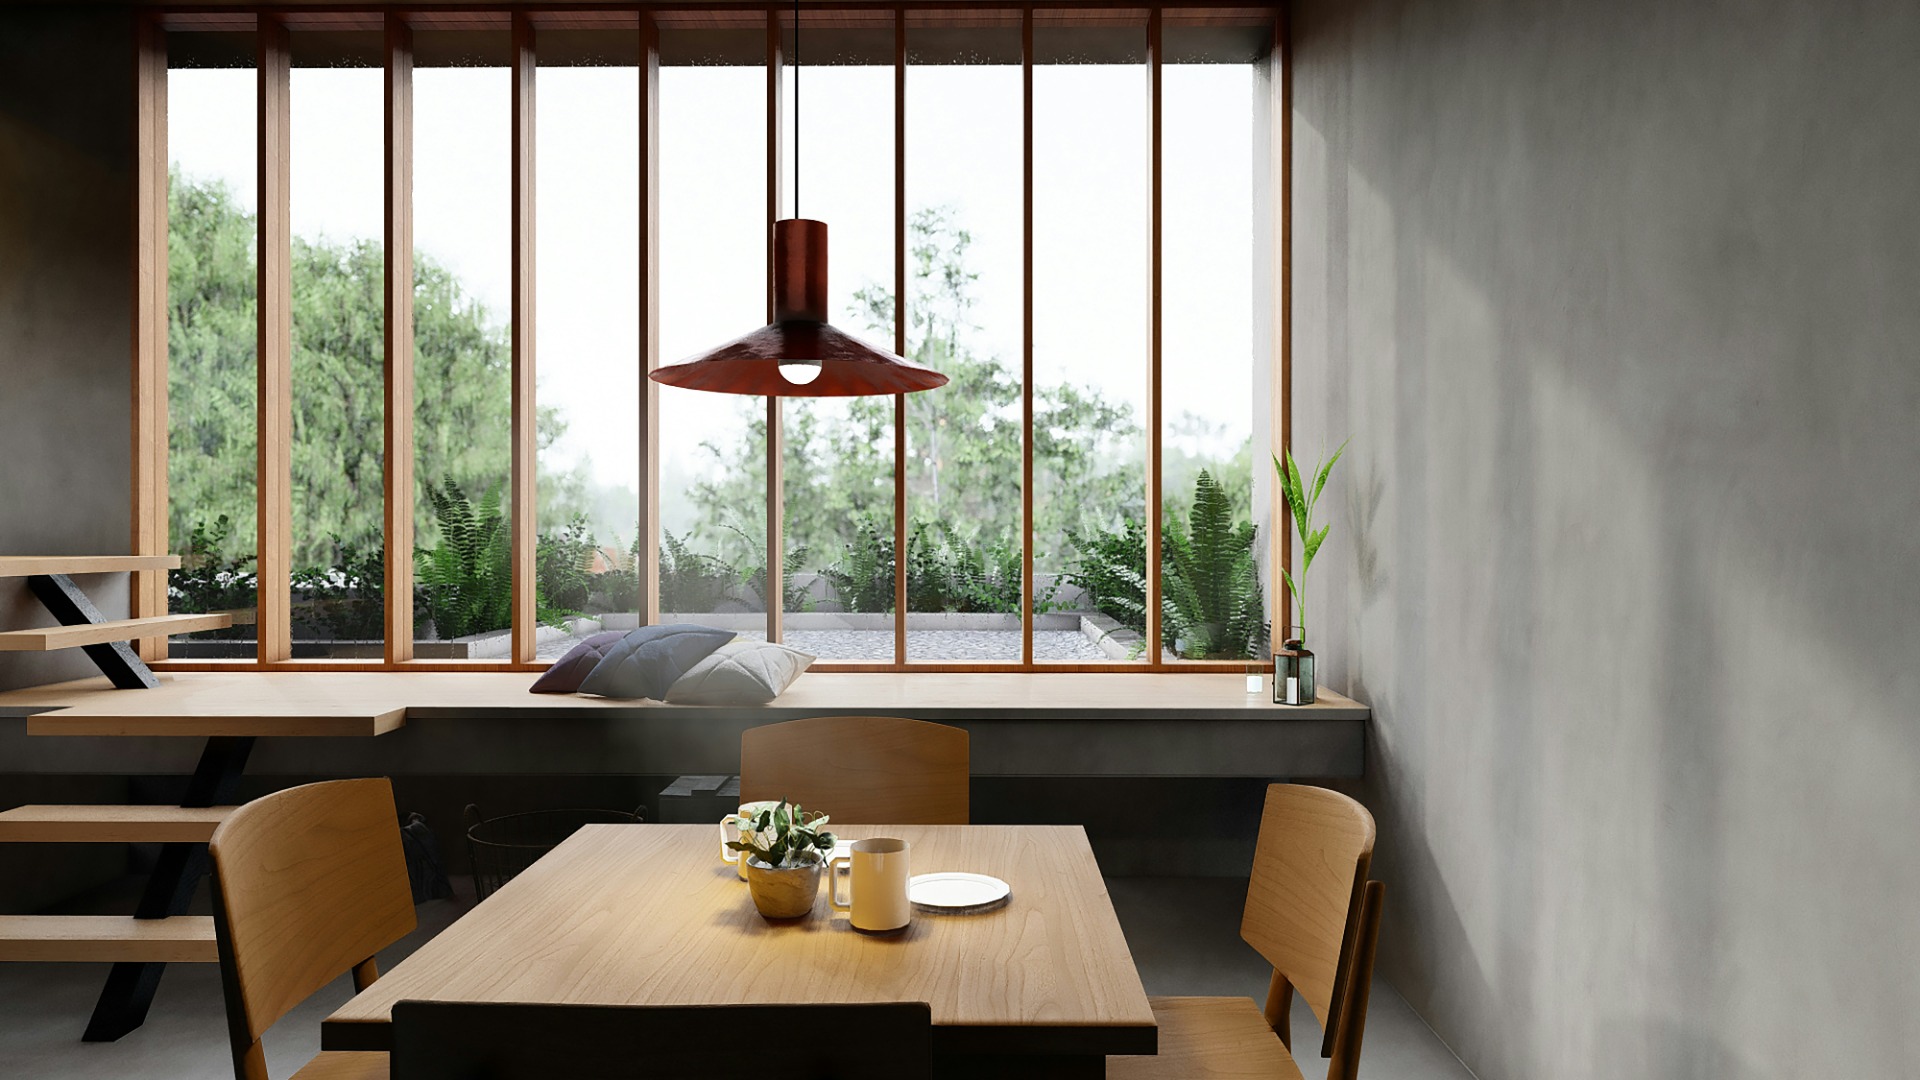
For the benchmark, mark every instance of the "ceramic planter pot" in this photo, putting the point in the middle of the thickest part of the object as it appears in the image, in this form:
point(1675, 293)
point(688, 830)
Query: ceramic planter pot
point(784, 893)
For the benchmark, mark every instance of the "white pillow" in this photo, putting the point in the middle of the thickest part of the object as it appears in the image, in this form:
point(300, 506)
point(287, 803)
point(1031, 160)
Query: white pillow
point(740, 673)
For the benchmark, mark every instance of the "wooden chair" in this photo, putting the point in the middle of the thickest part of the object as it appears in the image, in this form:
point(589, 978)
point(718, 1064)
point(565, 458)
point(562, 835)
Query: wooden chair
point(877, 770)
point(1312, 913)
point(443, 1040)
point(308, 883)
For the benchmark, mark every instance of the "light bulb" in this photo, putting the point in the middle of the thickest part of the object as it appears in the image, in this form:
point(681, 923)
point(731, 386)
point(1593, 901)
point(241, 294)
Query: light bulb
point(800, 372)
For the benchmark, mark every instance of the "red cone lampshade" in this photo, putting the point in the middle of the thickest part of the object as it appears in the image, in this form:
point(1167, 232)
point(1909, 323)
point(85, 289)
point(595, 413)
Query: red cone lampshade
point(799, 354)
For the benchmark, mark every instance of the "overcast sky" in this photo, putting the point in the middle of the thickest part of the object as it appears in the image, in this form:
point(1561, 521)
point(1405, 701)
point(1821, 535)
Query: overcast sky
point(963, 150)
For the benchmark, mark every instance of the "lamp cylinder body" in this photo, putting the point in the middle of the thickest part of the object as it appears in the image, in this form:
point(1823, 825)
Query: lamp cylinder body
point(799, 270)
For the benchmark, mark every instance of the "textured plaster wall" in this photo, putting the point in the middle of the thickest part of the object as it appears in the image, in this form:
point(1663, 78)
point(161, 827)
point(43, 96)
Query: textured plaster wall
point(1620, 304)
point(66, 200)
point(66, 204)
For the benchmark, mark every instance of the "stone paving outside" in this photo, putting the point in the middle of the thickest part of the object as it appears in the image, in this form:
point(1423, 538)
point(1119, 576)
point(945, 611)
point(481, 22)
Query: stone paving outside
point(999, 645)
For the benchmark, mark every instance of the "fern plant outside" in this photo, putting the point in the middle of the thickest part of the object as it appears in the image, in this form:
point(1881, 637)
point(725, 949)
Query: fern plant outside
point(1211, 604)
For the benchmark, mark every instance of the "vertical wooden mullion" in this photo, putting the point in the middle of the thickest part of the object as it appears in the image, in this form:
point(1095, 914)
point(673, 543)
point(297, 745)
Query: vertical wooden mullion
point(900, 333)
point(1026, 336)
point(776, 531)
point(149, 429)
point(647, 554)
point(1154, 417)
point(274, 262)
point(1280, 157)
point(397, 476)
point(524, 497)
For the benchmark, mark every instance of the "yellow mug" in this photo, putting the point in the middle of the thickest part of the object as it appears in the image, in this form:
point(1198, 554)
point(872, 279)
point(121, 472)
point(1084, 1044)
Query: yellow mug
point(877, 877)
point(730, 831)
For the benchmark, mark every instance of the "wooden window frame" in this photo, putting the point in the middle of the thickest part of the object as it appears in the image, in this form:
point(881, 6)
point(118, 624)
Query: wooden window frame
point(149, 330)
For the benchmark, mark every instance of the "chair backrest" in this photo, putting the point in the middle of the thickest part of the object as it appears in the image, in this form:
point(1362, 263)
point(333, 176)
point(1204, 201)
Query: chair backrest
point(308, 883)
point(877, 770)
point(447, 1040)
point(1312, 913)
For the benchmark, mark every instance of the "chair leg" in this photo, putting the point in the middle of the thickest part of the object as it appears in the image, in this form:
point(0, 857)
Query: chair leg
point(1353, 1016)
point(365, 972)
point(1280, 1008)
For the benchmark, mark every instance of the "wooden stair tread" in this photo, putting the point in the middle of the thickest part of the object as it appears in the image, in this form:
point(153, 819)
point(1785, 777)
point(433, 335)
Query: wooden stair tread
point(49, 638)
point(105, 938)
point(29, 565)
point(110, 824)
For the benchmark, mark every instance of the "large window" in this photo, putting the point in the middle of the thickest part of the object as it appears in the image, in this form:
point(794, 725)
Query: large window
point(337, 206)
point(212, 232)
point(462, 342)
point(1217, 607)
point(1090, 340)
point(1064, 210)
point(837, 453)
point(965, 301)
point(587, 288)
point(713, 287)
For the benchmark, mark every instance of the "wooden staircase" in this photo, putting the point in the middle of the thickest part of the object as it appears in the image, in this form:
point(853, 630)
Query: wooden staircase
point(110, 824)
point(106, 641)
point(159, 933)
point(82, 939)
point(49, 638)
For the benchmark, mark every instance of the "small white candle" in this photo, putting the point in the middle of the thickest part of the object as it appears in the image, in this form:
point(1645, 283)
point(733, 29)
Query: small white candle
point(1253, 684)
point(1293, 690)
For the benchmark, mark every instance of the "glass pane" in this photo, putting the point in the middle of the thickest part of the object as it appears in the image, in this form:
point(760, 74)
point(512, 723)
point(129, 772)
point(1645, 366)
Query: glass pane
point(964, 318)
point(1215, 607)
point(338, 286)
point(211, 338)
point(1089, 338)
point(713, 288)
point(463, 276)
point(587, 201)
point(838, 467)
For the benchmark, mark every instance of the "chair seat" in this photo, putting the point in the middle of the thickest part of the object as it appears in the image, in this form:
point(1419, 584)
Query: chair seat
point(1207, 1038)
point(345, 1065)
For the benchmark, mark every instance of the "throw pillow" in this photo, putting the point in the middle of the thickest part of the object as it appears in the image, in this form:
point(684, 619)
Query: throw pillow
point(649, 660)
point(740, 673)
point(568, 672)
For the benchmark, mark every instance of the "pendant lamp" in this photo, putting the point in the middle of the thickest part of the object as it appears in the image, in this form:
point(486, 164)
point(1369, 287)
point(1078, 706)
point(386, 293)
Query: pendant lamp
point(799, 354)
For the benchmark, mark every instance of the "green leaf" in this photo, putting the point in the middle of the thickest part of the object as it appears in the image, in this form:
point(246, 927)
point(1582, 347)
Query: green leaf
point(1313, 546)
point(1292, 487)
point(1324, 470)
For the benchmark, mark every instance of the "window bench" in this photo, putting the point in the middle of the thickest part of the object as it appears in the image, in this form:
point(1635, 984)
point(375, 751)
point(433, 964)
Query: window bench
point(1064, 724)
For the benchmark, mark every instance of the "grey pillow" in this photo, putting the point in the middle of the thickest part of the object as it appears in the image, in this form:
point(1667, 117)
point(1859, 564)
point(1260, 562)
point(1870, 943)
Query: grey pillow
point(740, 673)
point(568, 672)
point(648, 661)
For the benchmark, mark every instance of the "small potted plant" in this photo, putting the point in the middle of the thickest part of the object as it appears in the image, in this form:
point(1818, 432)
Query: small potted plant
point(785, 849)
point(1293, 677)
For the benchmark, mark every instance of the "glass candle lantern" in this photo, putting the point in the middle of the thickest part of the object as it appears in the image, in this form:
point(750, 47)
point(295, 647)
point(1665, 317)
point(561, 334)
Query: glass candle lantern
point(1293, 674)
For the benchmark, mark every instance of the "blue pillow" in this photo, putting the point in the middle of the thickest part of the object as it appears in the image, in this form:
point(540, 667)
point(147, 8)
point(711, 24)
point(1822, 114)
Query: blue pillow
point(648, 661)
point(568, 672)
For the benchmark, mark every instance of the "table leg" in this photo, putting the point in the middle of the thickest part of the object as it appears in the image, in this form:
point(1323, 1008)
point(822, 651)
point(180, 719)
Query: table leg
point(124, 1001)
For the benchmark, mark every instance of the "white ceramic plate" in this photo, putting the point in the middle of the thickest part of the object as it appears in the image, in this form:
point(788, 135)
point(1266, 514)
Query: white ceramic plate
point(956, 891)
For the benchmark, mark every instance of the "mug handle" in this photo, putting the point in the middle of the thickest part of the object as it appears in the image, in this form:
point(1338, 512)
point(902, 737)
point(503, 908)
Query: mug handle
point(727, 854)
point(834, 867)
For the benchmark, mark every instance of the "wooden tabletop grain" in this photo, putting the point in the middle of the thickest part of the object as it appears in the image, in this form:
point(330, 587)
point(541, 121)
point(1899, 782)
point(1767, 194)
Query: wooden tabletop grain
point(647, 914)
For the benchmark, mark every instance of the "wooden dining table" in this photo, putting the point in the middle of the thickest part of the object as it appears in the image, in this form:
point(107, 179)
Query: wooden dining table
point(649, 915)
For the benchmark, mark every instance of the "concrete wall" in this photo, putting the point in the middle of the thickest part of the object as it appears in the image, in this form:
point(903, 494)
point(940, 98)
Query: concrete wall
point(66, 205)
point(1620, 304)
point(66, 264)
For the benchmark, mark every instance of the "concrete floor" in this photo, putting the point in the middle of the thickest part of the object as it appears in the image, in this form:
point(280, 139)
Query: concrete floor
point(1184, 933)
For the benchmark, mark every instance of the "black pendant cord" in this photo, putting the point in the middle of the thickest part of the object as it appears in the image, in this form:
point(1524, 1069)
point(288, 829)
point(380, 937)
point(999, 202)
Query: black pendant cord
point(796, 108)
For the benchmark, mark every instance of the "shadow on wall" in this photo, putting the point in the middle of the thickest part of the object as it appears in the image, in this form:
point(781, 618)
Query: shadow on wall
point(1615, 303)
